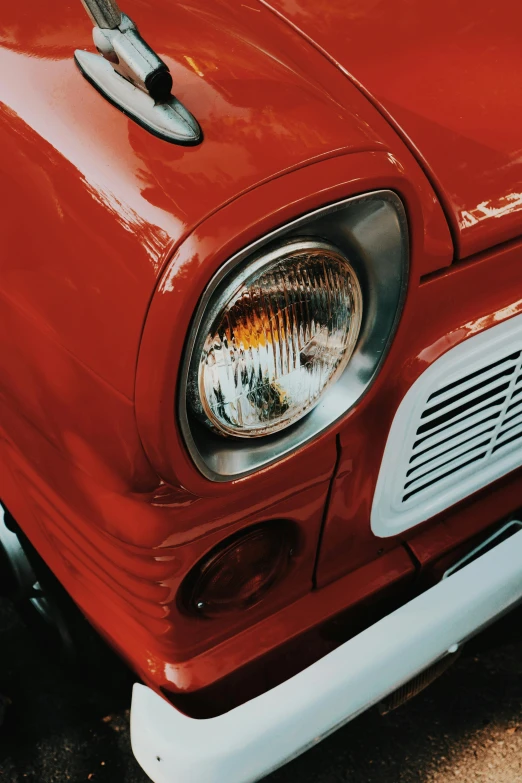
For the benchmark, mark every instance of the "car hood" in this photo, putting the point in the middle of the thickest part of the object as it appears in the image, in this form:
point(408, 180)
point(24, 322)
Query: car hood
point(113, 200)
point(448, 75)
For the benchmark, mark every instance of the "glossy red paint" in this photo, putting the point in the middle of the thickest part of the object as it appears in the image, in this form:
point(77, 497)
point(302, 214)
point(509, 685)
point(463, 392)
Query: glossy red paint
point(108, 238)
point(127, 580)
point(434, 546)
point(123, 559)
point(466, 299)
point(109, 201)
point(447, 77)
point(266, 654)
point(196, 260)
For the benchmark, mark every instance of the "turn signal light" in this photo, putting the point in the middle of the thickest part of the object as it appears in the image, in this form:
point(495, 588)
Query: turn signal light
point(239, 572)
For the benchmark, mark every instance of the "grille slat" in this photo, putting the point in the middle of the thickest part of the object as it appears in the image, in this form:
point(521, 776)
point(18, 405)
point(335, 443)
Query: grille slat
point(450, 465)
point(493, 403)
point(511, 441)
point(476, 414)
point(472, 425)
point(458, 428)
point(476, 392)
point(475, 378)
point(443, 455)
point(511, 419)
point(515, 405)
point(508, 432)
point(430, 481)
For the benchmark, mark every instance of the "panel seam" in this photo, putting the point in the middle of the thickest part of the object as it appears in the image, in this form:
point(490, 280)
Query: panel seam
point(403, 136)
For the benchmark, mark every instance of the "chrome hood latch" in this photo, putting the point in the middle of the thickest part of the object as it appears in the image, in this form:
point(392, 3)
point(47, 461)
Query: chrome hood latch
point(132, 76)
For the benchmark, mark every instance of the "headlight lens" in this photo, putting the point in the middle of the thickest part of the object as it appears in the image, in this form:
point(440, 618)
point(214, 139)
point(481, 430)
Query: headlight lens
point(275, 338)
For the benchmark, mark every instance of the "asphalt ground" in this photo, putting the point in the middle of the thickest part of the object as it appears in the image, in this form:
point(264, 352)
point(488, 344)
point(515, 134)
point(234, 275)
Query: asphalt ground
point(465, 727)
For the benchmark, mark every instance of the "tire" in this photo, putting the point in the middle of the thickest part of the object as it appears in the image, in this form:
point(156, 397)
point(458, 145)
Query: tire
point(50, 613)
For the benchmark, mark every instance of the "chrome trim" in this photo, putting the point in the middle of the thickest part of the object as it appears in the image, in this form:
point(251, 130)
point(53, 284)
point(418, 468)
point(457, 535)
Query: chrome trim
point(372, 231)
point(132, 77)
point(169, 121)
point(103, 13)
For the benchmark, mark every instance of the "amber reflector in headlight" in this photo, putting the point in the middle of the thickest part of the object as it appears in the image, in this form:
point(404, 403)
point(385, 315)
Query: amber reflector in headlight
point(275, 339)
point(238, 573)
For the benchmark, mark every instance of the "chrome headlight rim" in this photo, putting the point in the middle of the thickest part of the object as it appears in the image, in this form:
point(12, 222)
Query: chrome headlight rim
point(372, 230)
point(223, 295)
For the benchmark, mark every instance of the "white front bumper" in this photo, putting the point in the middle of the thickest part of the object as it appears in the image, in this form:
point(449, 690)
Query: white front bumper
point(250, 741)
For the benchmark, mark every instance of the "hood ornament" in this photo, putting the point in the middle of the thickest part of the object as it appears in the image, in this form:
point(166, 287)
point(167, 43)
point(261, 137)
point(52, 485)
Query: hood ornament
point(132, 76)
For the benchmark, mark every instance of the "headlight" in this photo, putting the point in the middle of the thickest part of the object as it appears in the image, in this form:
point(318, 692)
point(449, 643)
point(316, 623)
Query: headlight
point(275, 338)
point(283, 330)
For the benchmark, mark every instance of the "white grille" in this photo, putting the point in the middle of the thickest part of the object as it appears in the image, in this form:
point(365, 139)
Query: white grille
point(457, 429)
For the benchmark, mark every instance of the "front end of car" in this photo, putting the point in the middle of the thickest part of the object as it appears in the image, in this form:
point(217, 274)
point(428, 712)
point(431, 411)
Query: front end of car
point(319, 615)
point(260, 417)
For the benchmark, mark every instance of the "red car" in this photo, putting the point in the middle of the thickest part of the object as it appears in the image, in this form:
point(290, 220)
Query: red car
point(261, 351)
